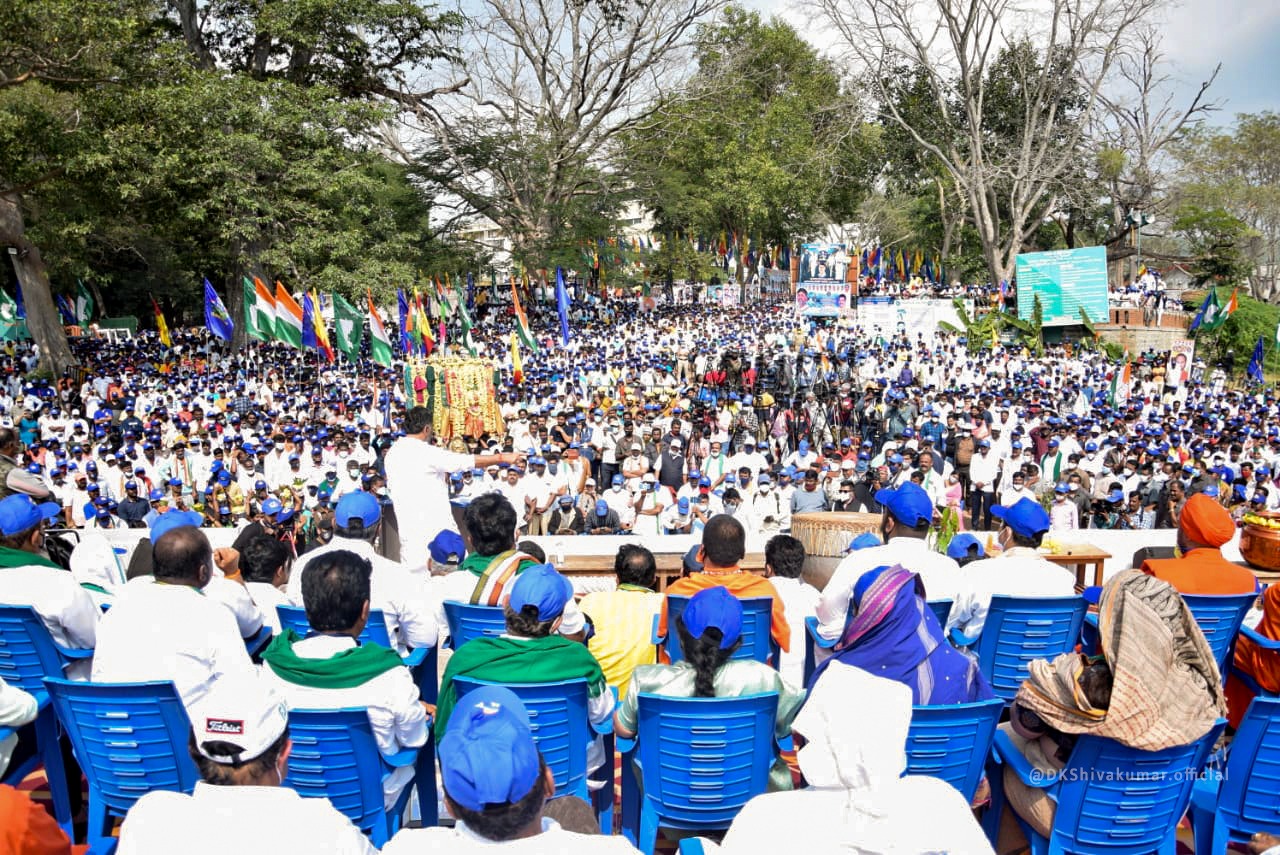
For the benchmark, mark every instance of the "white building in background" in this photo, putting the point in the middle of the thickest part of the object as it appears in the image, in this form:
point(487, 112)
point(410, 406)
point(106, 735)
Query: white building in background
point(634, 221)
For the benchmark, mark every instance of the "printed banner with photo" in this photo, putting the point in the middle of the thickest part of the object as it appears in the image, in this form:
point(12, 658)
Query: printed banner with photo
point(1180, 355)
point(821, 289)
point(822, 299)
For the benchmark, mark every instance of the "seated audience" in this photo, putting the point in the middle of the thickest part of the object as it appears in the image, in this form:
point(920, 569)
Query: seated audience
point(329, 669)
point(710, 630)
point(264, 566)
point(784, 562)
point(240, 745)
point(623, 618)
point(1262, 666)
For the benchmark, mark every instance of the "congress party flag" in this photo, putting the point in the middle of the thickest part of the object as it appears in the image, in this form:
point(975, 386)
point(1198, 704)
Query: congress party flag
point(522, 322)
point(216, 317)
point(259, 310)
point(379, 344)
point(84, 304)
point(288, 317)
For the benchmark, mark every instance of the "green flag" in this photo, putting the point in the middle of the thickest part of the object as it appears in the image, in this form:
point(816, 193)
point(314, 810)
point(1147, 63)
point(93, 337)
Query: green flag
point(348, 324)
point(8, 314)
point(259, 318)
point(84, 304)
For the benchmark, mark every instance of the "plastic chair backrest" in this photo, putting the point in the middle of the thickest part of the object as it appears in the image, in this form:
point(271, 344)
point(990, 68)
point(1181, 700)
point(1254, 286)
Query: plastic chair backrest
point(702, 759)
point(1020, 629)
point(27, 652)
point(335, 757)
point(1116, 799)
point(130, 739)
point(757, 624)
point(953, 742)
point(1219, 618)
point(558, 719)
point(941, 610)
point(375, 629)
point(1249, 797)
point(467, 622)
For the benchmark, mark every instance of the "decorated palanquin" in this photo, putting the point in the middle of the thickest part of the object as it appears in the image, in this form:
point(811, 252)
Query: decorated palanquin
point(461, 394)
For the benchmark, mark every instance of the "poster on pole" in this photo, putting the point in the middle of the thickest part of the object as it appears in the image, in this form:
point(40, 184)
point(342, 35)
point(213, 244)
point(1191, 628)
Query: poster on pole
point(821, 288)
point(1066, 281)
point(1180, 358)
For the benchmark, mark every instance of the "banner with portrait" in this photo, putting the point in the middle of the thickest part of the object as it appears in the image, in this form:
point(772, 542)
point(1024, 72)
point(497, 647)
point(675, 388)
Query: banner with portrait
point(1180, 357)
point(822, 299)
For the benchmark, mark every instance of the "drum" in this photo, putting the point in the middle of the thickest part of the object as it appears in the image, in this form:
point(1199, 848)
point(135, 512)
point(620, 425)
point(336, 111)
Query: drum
point(826, 537)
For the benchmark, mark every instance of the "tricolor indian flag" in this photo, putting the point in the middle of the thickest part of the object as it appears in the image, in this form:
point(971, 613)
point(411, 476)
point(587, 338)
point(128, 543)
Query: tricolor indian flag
point(288, 317)
point(1121, 382)
point(379, 344)
point(517, 367)
point(522, 322)
point(259, 310)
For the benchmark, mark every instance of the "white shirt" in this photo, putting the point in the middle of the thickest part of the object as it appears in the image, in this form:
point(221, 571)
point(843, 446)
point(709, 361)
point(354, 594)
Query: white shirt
point(983, 470)
point(66, 609)
point(402, 597)
point(266, 597)
point(235, 597)
point(390, 699)
point(460, 840)
point(157, 631)
point(17, 708)
point(1017, 572)
point(940, 574)
point(417, 474)
point(216, 820)
point(799, 600)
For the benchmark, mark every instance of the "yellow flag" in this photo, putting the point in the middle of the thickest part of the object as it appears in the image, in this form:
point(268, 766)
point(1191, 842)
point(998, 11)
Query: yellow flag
point(517, 369)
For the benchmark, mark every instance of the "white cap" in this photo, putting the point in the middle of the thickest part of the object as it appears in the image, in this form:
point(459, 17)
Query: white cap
point(591, 481)
point(241, 710)
point(648, 477)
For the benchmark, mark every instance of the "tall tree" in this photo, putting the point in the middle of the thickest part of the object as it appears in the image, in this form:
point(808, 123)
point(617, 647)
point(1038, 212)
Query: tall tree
point(969, 51)
point(540, 94)
point(763, 142)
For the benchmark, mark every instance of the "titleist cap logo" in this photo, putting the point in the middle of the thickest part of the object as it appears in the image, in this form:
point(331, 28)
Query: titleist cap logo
point(224, 725)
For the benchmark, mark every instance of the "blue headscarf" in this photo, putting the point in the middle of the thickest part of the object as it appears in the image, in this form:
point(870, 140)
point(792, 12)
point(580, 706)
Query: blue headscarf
point(892, 633)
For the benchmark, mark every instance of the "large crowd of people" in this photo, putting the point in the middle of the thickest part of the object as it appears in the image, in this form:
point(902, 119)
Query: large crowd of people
point(675, 420)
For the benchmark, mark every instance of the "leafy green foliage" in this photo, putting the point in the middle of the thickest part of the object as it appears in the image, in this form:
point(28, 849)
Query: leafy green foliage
point(1218, 240)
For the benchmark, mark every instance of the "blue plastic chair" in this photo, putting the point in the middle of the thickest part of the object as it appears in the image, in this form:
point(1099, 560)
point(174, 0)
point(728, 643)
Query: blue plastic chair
point(1019, 630)
point(953, 742)
point(1244, 798)
point(701, 760)
point(562, 732)
point(28, 654)
point(130, 739)
point(422, 661)
point(1110, 798)
point(1220, 619)
point(941, 610)
point(757, 624)
point(1266, 644)
point(467, 622)
point(335, 756)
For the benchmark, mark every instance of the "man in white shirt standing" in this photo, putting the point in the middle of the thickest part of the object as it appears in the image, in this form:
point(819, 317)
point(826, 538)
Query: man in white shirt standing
point(904, 525)
point(240, 744)
point(168, 629)
point(416, 480)
point(408, 611)
point(1019, 571)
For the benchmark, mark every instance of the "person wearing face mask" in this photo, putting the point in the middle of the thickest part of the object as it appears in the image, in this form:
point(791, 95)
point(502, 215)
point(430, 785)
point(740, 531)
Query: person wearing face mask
point(1019, 570)
point(240, 744)
point(769, 513)
point(619, 499)
point(650, 501)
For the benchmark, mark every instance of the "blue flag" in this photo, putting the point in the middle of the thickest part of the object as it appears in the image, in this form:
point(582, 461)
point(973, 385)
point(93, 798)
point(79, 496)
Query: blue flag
point(402, 303)
point(216, 317)
point(1255, 364)
point(22, 304)
point(64, 309)
point(308, 322)
point(562, 306)
point(471, 292)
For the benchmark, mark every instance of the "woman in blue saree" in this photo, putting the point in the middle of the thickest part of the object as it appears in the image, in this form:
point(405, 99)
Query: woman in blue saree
point(892, 633)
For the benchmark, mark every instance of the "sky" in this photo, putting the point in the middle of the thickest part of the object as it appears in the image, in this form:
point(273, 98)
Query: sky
point(1244, 35)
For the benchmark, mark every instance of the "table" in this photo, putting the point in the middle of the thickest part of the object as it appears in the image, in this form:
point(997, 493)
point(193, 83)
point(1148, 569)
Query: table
point(1080, 557)
point(670, 566)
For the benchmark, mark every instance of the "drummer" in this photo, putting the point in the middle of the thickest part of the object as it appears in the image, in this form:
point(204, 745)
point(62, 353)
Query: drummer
point(904, 524)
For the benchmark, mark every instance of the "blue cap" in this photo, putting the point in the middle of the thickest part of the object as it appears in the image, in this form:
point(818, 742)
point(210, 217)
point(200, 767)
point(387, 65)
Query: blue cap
point(1024, 516)
point(259, 485)
point(357, 505)
point(683, 505)
point(543, 587)
point(156, 495)
point(271, 506)
point(1116, 495)
point(617, 480)
point(714, 607)
point(909, 504)
point(961, 544)
point(1062, 487)
point(447, 544)
point(866, 540)
point(487, 755)
point(131, 485)
point(602, 507)
point(170, 520)
point(19, 513)
point(565, 500)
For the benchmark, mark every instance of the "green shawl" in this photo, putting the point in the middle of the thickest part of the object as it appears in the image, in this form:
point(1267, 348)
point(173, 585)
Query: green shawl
point(343, 670)
point(22, 558)
point(516, 660)
point(477, 564)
